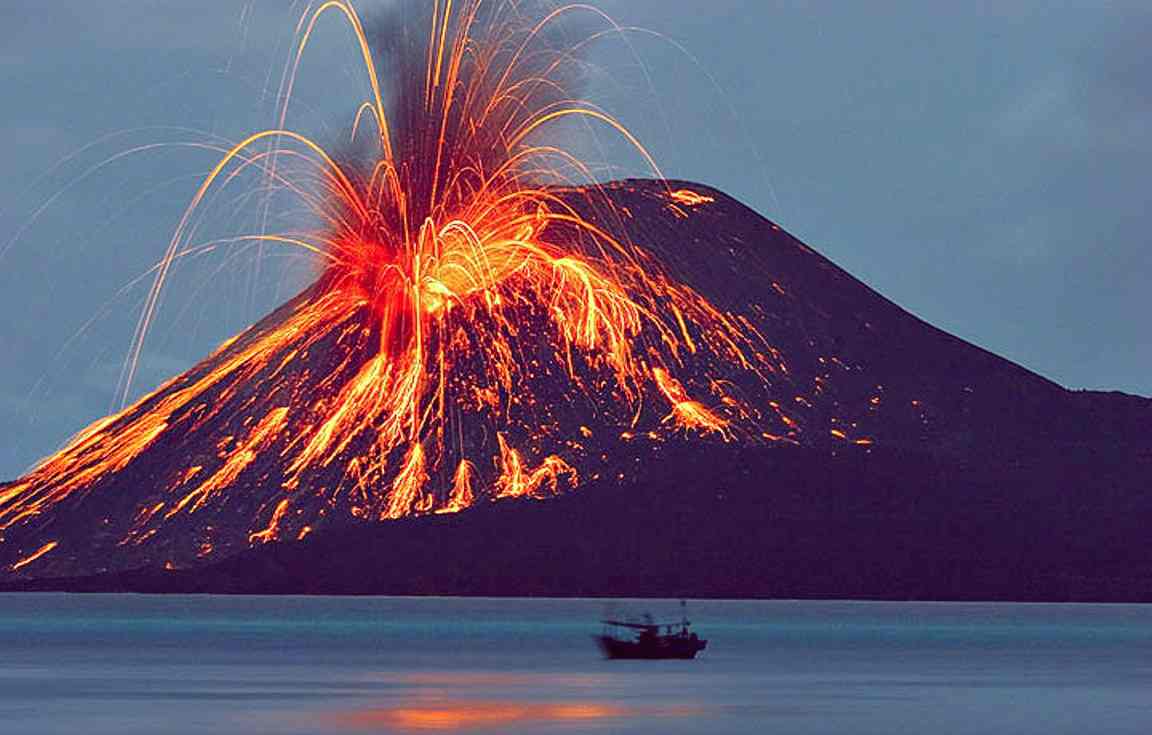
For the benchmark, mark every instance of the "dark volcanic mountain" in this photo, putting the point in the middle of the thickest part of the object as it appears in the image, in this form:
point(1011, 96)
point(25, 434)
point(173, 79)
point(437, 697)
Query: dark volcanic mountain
point(887, 459)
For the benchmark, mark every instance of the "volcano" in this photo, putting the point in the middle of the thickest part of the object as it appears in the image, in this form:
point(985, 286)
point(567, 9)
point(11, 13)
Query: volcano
point(848, 449)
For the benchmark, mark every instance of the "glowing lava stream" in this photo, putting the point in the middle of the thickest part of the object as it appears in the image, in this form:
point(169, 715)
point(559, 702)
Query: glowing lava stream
point(456, 281)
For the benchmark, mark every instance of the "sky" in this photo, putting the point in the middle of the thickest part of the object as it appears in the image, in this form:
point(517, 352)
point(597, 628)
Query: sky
point(985, 166)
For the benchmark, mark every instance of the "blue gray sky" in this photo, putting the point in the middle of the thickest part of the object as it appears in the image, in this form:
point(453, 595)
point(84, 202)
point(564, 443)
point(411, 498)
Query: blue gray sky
point(984, 165)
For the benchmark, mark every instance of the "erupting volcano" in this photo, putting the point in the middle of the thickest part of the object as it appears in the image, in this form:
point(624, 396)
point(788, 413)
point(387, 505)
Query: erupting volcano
point(490, 322)
point(483, 325)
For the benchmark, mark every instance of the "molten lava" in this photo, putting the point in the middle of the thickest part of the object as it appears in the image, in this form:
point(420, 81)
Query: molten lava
point(472, 291)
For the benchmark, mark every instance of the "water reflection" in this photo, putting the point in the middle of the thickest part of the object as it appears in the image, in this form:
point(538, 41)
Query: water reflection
point(446, 715)
point(141, 665)
point(479, 699)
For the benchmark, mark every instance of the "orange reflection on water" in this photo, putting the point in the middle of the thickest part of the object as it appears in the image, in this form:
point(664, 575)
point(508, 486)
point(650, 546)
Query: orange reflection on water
point(466, 715)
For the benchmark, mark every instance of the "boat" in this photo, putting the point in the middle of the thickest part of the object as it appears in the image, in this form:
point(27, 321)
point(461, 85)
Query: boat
point(646, 639)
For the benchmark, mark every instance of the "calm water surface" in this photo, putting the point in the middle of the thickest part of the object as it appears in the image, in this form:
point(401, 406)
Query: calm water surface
point(174, 664)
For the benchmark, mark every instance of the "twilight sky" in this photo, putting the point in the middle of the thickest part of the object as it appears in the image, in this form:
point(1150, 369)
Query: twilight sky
point(984, 165)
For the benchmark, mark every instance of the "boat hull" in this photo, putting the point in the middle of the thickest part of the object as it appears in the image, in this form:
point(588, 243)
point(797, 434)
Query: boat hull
point(682, 648)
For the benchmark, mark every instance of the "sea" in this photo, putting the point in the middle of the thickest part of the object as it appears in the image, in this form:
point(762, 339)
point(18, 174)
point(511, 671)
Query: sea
point(176, 664)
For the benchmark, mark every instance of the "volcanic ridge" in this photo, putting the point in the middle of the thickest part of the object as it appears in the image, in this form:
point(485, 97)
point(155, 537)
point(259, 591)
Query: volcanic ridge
point(845, 449)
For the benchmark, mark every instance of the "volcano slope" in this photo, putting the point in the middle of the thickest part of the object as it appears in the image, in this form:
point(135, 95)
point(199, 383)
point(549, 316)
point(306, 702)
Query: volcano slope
point(872, 455)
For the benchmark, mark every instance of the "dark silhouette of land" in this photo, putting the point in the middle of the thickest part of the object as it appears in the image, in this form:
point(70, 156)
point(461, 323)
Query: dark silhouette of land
point(924, 468)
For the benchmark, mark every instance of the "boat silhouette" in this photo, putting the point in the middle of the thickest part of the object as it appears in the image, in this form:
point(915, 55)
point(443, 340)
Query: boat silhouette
point(646, 639)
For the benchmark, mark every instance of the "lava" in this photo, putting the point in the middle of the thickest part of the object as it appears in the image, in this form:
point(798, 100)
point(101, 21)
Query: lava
point(34, 556)
point(687, 413)
point(458, 286)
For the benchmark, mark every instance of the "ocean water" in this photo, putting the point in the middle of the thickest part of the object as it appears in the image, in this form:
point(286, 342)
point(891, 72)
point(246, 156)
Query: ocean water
point(280, 665)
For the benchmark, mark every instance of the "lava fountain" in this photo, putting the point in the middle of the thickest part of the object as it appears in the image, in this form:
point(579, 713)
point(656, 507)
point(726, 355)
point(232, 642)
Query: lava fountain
point(478, 328)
